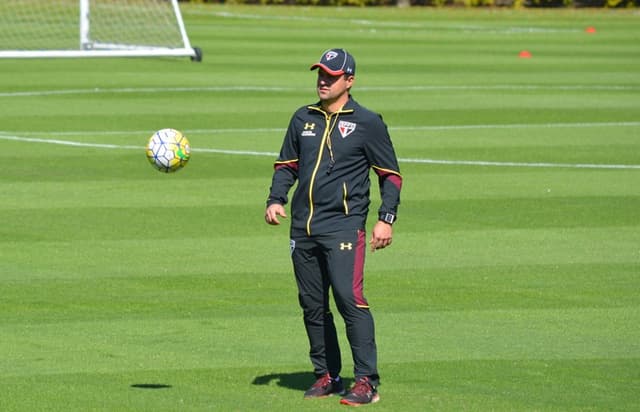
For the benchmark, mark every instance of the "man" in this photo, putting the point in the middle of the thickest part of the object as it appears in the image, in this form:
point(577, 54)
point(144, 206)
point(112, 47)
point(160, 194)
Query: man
point(329, 148)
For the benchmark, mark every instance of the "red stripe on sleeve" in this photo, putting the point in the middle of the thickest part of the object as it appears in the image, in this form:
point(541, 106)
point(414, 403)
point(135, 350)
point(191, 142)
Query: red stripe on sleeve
point(290, 165)
point(394, 178)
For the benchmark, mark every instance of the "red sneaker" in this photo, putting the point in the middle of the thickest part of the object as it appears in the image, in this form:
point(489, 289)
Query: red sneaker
point(361, 393)
point(325, 386)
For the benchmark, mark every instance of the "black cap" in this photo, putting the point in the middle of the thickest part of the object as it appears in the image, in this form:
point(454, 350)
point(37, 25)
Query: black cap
point(336, 62)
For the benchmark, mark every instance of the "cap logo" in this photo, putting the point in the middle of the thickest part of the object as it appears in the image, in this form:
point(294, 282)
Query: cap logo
point(331, 55)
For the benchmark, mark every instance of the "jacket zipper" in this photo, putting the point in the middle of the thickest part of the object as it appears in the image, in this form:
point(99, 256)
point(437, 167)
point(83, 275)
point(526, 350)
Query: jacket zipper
point(323, 142)
point(325, 137)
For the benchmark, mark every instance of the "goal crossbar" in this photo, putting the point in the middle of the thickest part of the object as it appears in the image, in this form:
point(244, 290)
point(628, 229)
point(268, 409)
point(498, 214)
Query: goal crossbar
point(157, 52)
point(105, 28)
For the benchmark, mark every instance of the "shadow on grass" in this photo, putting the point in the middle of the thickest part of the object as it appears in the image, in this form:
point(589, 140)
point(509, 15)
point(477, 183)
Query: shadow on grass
point(299, 381)
point(150, 386)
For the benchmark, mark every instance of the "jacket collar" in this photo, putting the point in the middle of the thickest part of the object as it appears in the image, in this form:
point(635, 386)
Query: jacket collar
point(349, 107)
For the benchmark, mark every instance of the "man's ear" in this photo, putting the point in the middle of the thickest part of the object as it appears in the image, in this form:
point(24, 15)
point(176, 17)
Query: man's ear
point(350, 78)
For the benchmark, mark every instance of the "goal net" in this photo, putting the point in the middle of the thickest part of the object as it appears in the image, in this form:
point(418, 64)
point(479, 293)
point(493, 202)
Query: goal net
point(93, 28)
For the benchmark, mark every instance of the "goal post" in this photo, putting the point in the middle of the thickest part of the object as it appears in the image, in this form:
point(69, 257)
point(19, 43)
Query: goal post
point(93, 28)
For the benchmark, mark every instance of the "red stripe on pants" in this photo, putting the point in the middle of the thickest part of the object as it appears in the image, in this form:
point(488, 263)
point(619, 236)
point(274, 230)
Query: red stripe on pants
point(358, 271)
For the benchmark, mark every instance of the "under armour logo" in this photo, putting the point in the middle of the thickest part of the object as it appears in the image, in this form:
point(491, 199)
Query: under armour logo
point(346, 246)
point(308, 126)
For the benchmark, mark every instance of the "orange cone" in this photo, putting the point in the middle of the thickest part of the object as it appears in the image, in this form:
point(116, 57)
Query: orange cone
point(590, 29)
point(525, 54)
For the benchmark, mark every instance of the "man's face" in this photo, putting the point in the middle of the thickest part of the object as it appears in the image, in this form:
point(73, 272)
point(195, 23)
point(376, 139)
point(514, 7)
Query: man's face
point(330, 87)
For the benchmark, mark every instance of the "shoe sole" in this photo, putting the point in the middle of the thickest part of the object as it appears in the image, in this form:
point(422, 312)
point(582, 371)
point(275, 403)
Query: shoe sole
point(375, 399)
point(326, 396)
point(319, 397)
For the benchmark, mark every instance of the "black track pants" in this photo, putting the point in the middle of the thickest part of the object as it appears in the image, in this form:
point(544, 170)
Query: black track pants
point(335, 262)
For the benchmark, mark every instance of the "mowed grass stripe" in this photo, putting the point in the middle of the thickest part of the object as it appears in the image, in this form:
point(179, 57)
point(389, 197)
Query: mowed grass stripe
point(161, 293)
point(583, 153)
point(454, 249)
point(472, 384)
point(52, 224)
point(109, 346)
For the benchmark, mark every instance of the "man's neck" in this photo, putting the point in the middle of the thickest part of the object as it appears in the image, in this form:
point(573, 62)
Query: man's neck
point(335, 105)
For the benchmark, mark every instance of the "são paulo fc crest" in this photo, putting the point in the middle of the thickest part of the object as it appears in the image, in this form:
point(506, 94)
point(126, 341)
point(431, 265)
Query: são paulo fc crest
point(330, 55)
point(346, 128)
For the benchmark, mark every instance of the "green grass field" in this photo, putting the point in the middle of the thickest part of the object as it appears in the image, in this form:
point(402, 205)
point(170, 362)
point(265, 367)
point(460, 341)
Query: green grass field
point(514, 277)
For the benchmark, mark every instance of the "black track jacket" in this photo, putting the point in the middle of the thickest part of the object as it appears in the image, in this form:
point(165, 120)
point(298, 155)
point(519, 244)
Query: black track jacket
point(330, 156)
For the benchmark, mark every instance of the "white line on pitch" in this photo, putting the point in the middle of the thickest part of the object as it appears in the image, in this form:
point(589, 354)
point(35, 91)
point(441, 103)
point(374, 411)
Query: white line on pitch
point(395, 89)
point(519, 126)
point(516, 164)
point(273, 154)
point(435, 26)
point(391, 128)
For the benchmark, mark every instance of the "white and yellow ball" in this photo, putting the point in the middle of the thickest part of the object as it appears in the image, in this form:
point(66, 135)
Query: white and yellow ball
point(168, 150)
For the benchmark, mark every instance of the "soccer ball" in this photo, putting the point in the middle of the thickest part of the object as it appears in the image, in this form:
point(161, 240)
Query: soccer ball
point(168, 150)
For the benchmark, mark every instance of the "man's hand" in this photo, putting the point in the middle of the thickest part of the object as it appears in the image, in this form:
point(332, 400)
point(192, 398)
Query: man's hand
point(381, 236)
point(273, 211)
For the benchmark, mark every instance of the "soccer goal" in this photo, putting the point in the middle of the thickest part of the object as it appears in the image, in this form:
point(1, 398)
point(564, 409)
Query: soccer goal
point(93, 28)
